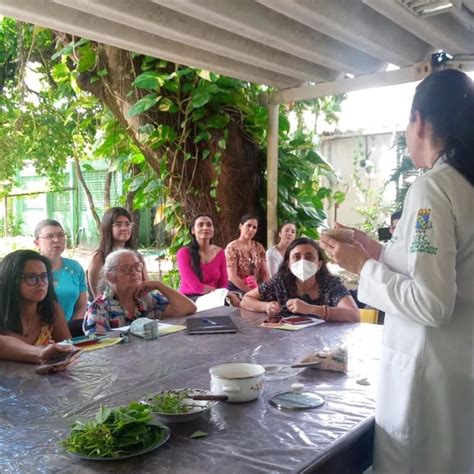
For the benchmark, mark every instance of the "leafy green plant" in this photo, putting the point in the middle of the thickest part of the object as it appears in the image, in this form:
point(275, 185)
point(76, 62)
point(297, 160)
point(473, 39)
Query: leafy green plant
point(114, 432)
point(375, 210)
point(404, 171)
point(170, 403)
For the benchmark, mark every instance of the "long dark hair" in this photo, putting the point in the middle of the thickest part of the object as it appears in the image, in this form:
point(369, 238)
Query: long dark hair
point(247, 217)
point(10, 295)
point(285, 272)
point(106, 244)
point(446, 100)
point(194, 248)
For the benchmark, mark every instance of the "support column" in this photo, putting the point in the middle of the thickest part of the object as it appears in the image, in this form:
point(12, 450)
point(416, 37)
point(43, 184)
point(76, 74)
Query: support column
point(272, 173)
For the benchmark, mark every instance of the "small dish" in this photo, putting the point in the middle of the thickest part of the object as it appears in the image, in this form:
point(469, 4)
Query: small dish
point(152, 447)
point(196, 407)
point(280, 371)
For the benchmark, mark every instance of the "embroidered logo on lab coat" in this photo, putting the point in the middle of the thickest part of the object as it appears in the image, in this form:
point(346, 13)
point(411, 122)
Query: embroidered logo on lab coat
point(421, 242)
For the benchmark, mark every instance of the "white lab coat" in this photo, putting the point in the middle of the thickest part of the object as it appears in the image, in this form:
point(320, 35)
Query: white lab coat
point(424, 281)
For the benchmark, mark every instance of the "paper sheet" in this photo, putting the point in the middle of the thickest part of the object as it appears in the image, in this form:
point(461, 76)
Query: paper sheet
point(214, 299)
point(291, 327)
point(165, 328)
point(111, 341)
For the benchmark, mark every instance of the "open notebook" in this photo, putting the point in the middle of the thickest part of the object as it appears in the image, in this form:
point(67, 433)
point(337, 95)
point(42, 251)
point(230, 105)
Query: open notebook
point(210, 325)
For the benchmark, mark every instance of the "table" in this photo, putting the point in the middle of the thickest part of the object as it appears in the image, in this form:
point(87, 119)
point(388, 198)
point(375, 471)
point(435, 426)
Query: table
point(254, 437)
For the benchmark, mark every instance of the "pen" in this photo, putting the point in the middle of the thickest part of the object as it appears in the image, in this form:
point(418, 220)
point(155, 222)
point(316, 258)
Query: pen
point(208, 321)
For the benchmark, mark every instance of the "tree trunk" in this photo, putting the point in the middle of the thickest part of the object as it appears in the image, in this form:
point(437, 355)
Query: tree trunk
point(241, 162)
point(90, 199)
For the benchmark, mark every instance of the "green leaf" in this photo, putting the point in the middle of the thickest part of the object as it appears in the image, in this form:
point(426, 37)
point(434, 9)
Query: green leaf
point(149, 80)
point(102, 414)
point(217, 121)
point(200, 97)
point(143, 104)
point(87, 58)
point(69, 48)
point(206, 75)
point(167, 105)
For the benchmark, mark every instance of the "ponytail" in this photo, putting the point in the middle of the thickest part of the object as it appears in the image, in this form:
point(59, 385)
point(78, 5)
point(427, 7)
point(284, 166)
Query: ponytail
point(446, 100)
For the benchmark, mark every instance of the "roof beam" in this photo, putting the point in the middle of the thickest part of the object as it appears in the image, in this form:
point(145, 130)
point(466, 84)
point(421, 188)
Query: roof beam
point(68, 20)
point(174, 26)
point(441, 31)
point(379, 79)
point(368, 30)
point(251, 20)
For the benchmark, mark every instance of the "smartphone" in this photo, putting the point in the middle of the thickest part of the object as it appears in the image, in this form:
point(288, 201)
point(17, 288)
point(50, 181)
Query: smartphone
point(298, 320)
point(82, 341)
point(58, 362)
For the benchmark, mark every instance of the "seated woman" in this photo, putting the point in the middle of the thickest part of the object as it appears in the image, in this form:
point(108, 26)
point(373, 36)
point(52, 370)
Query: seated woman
point(127, 297)
point(201, 264)
point(69, 278)
point(31, 320)
point(303, 285)
point(246, 264)
point(275, 254)
point(116, 232)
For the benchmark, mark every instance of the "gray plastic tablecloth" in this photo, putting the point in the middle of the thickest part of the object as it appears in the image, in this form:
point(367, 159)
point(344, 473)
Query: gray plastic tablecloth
point(37, 411)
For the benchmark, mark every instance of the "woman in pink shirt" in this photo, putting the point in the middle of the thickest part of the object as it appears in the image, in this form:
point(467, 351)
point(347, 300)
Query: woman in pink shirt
point(201, 265)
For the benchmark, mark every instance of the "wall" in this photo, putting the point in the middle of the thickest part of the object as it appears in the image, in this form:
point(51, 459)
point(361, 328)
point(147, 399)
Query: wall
point(339, 150)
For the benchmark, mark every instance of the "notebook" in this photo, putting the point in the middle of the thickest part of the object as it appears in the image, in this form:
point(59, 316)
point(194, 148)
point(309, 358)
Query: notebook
point(210, 325)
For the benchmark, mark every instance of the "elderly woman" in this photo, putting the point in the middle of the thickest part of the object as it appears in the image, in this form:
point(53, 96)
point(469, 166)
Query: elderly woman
point(127, 297)
point(303, 285)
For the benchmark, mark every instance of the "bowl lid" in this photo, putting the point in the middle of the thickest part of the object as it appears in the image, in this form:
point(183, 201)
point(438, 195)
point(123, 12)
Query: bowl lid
point(291, 400)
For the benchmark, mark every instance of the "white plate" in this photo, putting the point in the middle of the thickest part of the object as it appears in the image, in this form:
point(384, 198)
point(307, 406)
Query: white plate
point(154, 446)
point(197, 407)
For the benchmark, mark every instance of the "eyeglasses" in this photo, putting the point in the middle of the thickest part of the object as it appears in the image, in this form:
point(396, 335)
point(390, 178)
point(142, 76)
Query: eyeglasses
point(126, 224)
point(58, 235)
point(32, 279)
point(127, 269)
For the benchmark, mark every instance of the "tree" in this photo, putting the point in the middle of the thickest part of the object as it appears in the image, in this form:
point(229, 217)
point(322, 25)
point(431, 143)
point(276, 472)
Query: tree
point(185, 140)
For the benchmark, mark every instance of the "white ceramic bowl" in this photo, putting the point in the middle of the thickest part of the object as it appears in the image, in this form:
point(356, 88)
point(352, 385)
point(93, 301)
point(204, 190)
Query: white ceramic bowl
point(240, 381)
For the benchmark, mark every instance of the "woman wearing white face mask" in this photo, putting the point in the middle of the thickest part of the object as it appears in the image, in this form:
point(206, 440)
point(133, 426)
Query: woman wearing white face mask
point(303, 285)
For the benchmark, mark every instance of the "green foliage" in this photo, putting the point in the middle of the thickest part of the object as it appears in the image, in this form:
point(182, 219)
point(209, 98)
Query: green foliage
point(300, 196)
point(375, 211)
point(14, 226)
point(115, 432)
point(404, 172)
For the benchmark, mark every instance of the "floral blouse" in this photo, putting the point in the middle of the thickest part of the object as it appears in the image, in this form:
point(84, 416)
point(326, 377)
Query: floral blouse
point(331, 291)
point(106, 312)
point(248, 262)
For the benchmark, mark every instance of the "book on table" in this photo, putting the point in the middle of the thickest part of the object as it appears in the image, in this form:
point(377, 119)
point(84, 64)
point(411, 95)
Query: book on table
point(210, 325)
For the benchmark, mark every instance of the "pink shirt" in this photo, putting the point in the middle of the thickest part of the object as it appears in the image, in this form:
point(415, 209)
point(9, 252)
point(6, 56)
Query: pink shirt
point(214, 273)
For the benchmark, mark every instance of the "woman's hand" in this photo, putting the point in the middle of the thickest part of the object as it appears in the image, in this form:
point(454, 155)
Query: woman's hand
point(145, 287)
point(295, 305)
point(51, 350)
point(273, 308)
point(351, 257)
point(371, 246)
point(234, 299)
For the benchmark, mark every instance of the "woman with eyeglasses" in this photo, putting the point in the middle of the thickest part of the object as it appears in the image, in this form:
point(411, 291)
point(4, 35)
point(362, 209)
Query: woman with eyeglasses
point(69, 279)
point(127, 296)
point(246, 263)
point(303, 285)
point(116, 232)
point(31, 320)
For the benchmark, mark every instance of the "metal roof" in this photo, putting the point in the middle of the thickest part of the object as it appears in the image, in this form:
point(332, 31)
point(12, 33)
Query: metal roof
point(283, 43)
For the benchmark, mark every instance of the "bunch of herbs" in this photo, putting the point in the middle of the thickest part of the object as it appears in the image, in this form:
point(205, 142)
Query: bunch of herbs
point(115, 432)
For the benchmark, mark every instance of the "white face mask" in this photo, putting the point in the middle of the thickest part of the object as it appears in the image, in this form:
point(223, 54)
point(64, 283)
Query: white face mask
point(304, 269)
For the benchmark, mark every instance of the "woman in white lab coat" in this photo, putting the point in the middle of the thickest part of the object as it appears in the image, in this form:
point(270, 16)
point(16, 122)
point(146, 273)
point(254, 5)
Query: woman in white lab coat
point(424, 281)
